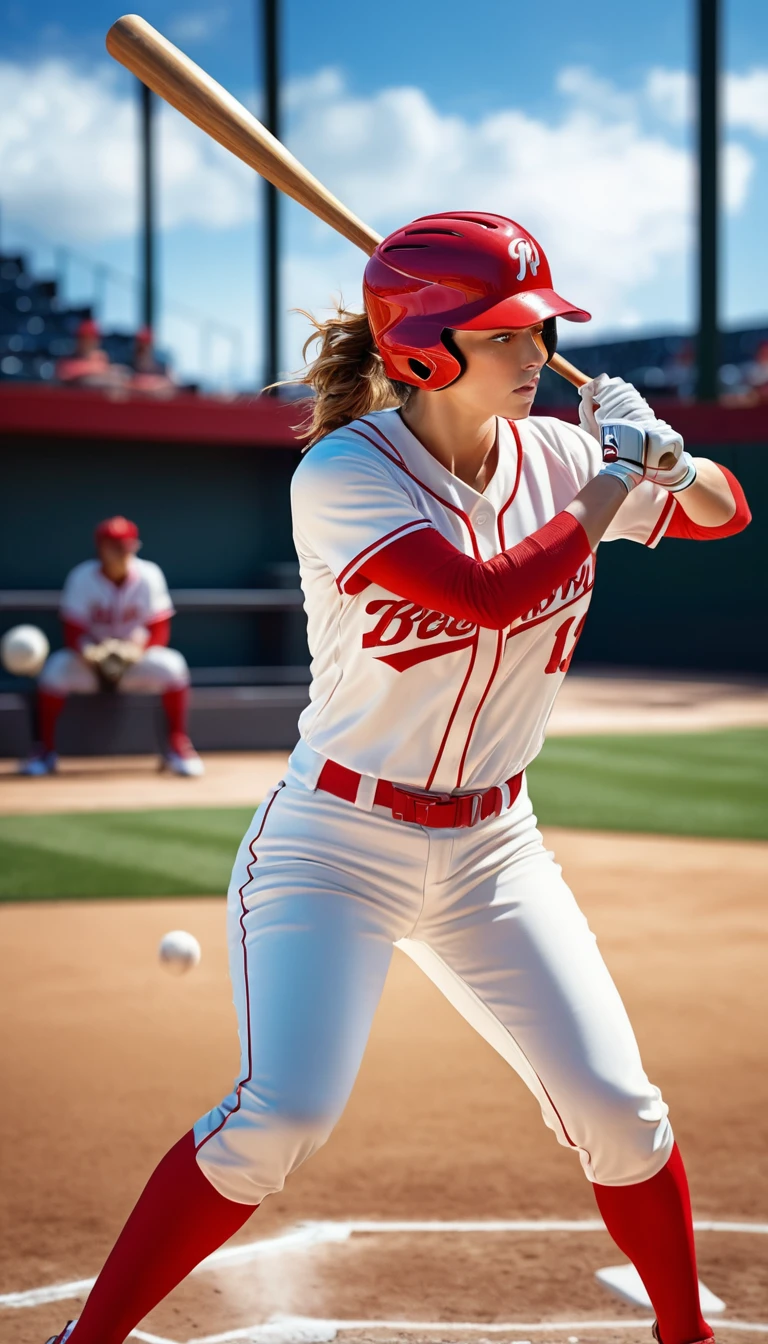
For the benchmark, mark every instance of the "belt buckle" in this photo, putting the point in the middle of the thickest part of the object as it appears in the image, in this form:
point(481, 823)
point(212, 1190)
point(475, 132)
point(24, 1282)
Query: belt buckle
point(417, 808)
point(414, 807)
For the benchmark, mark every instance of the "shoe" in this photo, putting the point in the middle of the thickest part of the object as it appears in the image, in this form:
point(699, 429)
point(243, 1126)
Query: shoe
point(710, 1339)
point(41, 762)
point(65, 1334)
point(181, 757)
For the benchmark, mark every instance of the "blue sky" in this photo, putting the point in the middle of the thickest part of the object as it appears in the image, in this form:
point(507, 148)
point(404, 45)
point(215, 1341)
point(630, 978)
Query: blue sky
point(572, 118)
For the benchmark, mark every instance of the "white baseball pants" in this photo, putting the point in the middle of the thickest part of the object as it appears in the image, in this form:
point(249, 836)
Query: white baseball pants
point(320, 892)
point(160, 669)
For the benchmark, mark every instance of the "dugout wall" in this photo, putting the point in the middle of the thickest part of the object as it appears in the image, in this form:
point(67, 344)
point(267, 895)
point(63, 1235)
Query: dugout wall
point(208, 483)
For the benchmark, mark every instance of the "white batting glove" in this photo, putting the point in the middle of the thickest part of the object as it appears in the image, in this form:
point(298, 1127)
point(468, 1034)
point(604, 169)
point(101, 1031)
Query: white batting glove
point(605, 398)
point(634, 453)
point(675, 478)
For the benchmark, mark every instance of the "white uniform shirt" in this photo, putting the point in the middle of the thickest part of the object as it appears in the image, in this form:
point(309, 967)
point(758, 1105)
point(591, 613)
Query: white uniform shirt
point(110, 610)
point(410, 695)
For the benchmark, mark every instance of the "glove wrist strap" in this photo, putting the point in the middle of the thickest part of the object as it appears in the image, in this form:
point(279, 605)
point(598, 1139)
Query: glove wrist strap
point(621, 472)
point(688, 480)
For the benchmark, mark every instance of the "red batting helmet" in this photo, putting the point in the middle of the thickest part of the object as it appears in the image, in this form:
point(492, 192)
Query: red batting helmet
point(118, 529)
point(455, 271)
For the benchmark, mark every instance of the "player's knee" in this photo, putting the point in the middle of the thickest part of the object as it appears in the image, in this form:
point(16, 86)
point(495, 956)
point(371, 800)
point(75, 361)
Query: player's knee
point(624, 1136)
point(62, 673)
point(168, 666)
point(257, 1147)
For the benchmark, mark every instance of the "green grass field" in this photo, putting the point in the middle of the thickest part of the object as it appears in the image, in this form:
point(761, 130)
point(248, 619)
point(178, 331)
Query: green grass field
point(713, 784)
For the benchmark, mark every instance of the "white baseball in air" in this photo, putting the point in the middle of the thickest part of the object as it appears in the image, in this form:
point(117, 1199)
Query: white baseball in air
point(178, 951)
point(23, 650)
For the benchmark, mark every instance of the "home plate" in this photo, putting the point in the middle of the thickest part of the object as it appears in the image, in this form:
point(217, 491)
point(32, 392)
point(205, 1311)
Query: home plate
point(625, 1281)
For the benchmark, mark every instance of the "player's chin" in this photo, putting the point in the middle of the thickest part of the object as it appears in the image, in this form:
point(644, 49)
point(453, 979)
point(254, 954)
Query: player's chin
point(520, 401)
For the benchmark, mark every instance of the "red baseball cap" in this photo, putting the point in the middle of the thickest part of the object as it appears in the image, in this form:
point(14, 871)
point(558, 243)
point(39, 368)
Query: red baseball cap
point(118, 529)
point(88, 327)
point(144, 336)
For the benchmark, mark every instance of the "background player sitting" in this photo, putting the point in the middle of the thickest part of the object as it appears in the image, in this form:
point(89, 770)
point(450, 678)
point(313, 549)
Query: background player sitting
point(116, 611)
point(89, 365)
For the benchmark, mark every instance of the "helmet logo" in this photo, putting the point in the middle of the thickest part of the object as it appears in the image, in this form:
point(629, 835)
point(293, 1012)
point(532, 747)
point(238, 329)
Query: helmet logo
point(526, 252)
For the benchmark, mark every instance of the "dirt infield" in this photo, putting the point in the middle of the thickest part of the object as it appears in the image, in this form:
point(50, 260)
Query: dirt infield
point(107, 1060)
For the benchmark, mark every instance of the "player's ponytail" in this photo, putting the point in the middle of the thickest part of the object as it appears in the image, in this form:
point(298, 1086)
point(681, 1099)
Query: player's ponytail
point(347, 374)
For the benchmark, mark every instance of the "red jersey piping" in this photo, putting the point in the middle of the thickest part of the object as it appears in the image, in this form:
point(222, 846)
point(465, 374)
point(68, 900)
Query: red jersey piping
point(399, 462)
point(663, 519)
point(417, 525)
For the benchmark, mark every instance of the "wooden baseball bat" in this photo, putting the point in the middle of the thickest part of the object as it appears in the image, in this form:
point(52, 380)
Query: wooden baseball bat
point(168, 72)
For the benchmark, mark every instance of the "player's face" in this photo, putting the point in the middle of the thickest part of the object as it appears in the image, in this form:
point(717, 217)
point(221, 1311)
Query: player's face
point(503, 367)
point(115, 559)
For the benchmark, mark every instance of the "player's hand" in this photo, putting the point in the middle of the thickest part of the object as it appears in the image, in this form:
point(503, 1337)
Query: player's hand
point(653, 453)
point(110, 658)
point(93, 653)
point(127, 649)
point(605, 398)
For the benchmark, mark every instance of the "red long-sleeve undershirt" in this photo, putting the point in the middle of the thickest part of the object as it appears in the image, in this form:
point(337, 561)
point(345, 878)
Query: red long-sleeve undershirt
point(424, 567)
point(680, 525)
point(159, 633)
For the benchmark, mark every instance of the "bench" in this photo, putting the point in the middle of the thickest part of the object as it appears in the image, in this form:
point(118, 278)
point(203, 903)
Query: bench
point(233, 709)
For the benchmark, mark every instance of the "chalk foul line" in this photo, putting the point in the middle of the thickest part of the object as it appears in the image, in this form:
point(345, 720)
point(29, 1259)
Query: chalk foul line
point(311, 1330)
point(318, 1233)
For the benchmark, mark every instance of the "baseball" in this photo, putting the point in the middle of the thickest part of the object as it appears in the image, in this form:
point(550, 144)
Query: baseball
point(179, 951)
point(23, 650)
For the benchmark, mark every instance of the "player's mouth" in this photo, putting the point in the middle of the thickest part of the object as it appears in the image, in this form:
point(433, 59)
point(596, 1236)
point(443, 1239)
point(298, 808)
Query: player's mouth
point(527, 389)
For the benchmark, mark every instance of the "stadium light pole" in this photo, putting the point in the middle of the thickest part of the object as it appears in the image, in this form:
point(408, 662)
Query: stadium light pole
point(147, 208)
point(709, 155)
point(270, 62)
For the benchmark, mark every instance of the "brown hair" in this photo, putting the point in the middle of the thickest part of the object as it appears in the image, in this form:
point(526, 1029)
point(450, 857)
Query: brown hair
point(347, 374)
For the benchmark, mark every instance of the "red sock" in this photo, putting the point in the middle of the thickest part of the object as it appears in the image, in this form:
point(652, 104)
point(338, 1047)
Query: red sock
point(49, 707)
point(178, 1220)
point(176, 706)
point(652, 1224)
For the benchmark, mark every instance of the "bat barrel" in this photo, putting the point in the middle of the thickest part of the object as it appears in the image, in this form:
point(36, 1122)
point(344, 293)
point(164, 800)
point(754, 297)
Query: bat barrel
point(166, 70)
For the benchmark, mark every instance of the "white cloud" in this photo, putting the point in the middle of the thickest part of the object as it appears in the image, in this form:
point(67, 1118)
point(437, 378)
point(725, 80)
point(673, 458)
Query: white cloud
point(672, 93)
point(746, 101)
point(610, 200)
point(603, 180)
point(198, 25)
point(595, 93)
point(69, 166)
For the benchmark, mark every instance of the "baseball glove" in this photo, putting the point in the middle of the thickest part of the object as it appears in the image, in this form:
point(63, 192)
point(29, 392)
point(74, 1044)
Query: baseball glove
point(110, 659)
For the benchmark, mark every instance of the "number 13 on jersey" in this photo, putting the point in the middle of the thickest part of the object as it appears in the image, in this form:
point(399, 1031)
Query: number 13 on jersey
point(565, 637)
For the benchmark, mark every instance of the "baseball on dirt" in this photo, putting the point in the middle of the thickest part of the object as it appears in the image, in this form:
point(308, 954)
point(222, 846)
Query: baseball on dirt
point(179, 951)
point(23, 650)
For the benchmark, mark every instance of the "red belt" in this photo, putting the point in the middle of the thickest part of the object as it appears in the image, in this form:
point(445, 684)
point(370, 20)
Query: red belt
point(439, 810)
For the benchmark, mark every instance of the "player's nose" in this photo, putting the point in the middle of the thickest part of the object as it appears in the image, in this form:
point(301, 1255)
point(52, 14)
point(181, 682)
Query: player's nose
point(536, 353)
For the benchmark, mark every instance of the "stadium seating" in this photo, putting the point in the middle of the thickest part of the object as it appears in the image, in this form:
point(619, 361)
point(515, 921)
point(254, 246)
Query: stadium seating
point(660, 366)
point(37, 328)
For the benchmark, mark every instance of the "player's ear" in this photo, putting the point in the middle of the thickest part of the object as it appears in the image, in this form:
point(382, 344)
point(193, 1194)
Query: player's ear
point(453, 349)
point(549, 336)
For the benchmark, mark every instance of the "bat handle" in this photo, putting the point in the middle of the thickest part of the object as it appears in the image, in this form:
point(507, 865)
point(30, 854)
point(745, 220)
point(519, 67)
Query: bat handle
point(568, 371)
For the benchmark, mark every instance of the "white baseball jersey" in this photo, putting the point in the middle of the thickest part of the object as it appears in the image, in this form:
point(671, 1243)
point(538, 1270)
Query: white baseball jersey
point(411, 695)
point(110, 610)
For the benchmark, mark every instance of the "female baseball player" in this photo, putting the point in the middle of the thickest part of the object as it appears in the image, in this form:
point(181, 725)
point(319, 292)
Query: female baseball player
point(447, 545)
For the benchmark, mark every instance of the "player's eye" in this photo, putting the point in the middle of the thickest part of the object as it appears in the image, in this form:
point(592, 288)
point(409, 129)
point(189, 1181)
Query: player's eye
point(503, 337)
